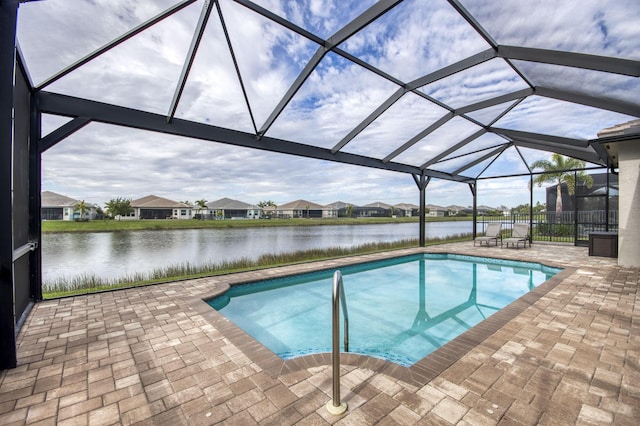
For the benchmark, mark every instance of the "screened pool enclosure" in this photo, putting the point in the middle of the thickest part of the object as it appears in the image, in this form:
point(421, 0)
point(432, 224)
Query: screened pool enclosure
point(457, 90)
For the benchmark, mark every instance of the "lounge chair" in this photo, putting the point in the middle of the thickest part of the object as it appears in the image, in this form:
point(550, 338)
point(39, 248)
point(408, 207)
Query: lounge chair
point(519, 234)
point(491, 234)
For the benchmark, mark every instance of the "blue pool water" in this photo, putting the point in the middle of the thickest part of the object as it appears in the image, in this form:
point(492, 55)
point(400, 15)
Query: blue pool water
point(400, 309)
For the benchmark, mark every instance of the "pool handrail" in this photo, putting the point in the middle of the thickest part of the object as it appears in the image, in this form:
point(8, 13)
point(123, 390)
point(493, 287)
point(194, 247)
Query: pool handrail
point(335, 406)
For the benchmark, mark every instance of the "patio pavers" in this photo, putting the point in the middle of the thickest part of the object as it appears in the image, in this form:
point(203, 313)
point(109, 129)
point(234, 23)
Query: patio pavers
point(159, 355)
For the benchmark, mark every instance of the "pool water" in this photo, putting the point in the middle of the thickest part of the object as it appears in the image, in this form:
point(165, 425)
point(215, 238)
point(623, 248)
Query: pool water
point(400, 309)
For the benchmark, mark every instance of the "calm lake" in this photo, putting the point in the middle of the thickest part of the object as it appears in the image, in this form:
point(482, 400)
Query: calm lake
point(118, 254)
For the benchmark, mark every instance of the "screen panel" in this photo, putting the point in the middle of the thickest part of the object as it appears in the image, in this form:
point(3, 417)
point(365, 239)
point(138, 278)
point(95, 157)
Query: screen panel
point(21, 266)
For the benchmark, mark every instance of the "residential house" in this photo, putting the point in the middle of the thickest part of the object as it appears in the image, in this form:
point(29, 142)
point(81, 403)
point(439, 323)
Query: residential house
point(154, 207)
point(482, 210)
point(303, 209)
point(330, 211)
point(60, 207)
point(341, 208)
point(453, 209)
point(406, 210)
point(226, 208)
point(376, 209)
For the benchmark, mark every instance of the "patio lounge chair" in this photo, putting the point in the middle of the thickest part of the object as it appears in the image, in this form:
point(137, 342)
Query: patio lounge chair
point(519, 234)
point(491, 234)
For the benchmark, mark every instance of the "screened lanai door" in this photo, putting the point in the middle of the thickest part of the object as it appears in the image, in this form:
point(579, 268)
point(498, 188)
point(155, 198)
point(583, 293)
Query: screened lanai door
point(596, 207)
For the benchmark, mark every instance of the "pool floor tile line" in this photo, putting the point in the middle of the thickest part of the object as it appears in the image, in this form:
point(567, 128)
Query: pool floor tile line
point(566, 353)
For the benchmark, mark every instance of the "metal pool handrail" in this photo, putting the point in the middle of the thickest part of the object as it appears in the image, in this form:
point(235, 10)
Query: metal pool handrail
point(337, 276)
point(335, 406)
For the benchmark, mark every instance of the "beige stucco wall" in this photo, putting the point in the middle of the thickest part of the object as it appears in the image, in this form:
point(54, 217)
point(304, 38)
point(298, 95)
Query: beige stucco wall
point(629, 203)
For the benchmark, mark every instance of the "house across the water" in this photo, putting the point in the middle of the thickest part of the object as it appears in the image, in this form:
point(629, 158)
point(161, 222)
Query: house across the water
point(154, 207)
point(302, 209)
point(227, 208)
point(60, 207)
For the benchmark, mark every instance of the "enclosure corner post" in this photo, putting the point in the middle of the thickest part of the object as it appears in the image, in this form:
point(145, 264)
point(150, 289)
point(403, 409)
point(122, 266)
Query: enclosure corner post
point(474, 191)
point(530, 208)
point(422, 181)
point(8, 25)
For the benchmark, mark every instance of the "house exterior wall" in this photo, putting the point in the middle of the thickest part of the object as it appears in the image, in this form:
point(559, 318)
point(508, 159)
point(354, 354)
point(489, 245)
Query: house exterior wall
point(67, 213)
point(131, 216)
point(181, 213)
point(254, 213)
point(629, 203)
point(371, 212)
point(329, 213)
point(405, 212)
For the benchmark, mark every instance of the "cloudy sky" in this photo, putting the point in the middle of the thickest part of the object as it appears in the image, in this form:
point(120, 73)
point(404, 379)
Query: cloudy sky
point(101, 162)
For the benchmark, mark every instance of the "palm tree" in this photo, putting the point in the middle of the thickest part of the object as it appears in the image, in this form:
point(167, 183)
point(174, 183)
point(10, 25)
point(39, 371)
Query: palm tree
point(201, 204)
point(558, 171)
point(82, 207)
point(349, 210)
point(269, 203)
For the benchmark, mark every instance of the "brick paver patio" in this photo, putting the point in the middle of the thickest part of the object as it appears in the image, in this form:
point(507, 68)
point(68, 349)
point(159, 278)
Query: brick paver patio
point(569, 353)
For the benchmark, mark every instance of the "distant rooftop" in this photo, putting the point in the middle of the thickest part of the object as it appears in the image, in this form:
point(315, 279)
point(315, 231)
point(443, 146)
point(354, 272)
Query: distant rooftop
point(153, 201)
point(53, 199)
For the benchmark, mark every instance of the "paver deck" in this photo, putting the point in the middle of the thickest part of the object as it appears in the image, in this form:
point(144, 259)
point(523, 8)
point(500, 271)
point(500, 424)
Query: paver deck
point(569, 353)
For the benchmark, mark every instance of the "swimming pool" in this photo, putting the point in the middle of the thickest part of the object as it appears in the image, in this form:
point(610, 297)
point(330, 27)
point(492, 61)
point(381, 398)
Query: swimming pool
point(400, 309)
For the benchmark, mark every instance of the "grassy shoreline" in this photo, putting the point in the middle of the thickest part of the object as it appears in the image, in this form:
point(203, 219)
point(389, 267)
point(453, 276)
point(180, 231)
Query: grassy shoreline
point(84, 284)
point(151, 225)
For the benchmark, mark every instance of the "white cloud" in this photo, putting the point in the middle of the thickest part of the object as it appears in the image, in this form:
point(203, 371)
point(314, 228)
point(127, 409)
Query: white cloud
point(590, 26)
point(417, 37)
point(488, 80)
point(553, 117)
point(321, 8)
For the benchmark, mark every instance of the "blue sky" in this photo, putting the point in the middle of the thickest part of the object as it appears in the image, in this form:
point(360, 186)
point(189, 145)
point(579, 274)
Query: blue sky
point(101, 162)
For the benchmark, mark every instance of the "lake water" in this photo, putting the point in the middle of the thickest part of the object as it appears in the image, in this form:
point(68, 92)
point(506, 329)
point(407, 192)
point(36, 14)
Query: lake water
point(119, 254)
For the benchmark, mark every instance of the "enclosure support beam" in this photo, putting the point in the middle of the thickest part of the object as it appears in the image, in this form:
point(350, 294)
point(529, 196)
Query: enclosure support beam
point(191, 56)
point(121, 116)
point(530, 208)
point(113, 43)
point(8, 24)
point(422, 181)
point(474, 189)
point(606, 200)
point(60, 133)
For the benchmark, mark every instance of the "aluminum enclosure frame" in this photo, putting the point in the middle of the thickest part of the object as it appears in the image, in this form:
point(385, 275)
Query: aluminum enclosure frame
point(83, 112)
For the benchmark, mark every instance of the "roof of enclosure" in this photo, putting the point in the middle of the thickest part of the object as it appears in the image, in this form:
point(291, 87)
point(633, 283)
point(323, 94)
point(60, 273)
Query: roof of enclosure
point(444, 88)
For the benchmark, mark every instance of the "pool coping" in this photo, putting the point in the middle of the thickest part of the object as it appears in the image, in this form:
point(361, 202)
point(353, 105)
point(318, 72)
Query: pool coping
point(418, 374)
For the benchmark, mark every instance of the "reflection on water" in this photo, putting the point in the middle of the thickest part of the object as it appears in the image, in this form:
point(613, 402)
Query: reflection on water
point(399, 309)
point(118, 254)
